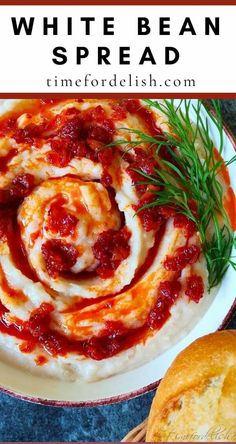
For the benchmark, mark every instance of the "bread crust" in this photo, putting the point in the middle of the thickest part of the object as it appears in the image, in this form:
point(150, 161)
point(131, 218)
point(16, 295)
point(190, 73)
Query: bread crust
point(209, 358)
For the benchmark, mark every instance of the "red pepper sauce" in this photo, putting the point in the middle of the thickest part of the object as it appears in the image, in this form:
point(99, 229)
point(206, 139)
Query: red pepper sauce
point(230, 206)
point(41, 360)
point(18, 296)
point(17, 250)
point(17, 330)
point(133, 106)
point(229, 199)
point(5, 159)
point(36, 332)
point(113, 339)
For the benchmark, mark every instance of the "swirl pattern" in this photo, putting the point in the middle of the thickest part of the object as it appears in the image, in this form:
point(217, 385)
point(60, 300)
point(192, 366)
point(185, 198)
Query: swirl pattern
point(82, 273)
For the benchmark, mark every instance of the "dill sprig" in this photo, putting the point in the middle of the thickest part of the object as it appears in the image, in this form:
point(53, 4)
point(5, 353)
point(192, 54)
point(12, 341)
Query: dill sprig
point(192, 175)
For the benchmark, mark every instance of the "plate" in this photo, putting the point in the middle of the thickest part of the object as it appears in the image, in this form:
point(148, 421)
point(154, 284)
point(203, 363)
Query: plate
point(44, 390)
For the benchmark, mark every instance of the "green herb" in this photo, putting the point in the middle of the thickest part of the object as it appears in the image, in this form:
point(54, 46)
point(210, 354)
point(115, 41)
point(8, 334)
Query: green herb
point(192, 176)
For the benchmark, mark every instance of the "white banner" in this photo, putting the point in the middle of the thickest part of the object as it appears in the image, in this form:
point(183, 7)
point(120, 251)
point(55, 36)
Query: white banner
point(106, 49)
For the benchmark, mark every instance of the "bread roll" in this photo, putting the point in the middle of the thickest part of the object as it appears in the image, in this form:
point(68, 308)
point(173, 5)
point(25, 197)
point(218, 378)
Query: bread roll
point(196, 400)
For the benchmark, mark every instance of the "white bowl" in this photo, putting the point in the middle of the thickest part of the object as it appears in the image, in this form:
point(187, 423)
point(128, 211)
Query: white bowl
point(15, 381)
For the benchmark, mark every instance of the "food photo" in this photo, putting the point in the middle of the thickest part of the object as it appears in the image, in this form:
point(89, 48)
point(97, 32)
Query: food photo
point(118, 267)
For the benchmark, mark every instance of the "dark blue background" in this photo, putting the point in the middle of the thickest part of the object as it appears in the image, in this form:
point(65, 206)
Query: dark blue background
point(23, 421)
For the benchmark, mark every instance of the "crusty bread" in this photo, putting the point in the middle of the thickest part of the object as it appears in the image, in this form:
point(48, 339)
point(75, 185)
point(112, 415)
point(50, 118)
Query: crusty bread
point(196, 400)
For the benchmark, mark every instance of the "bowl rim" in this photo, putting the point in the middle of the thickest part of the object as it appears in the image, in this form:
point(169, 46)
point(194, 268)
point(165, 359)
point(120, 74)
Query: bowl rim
point(135, 393)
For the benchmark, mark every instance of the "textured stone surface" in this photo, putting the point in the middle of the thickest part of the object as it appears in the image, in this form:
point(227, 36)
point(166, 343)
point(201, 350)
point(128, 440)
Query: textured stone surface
point(22, 421)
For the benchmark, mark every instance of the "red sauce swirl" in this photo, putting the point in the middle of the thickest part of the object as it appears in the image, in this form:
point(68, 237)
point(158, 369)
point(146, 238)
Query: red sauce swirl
point(77, 134)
